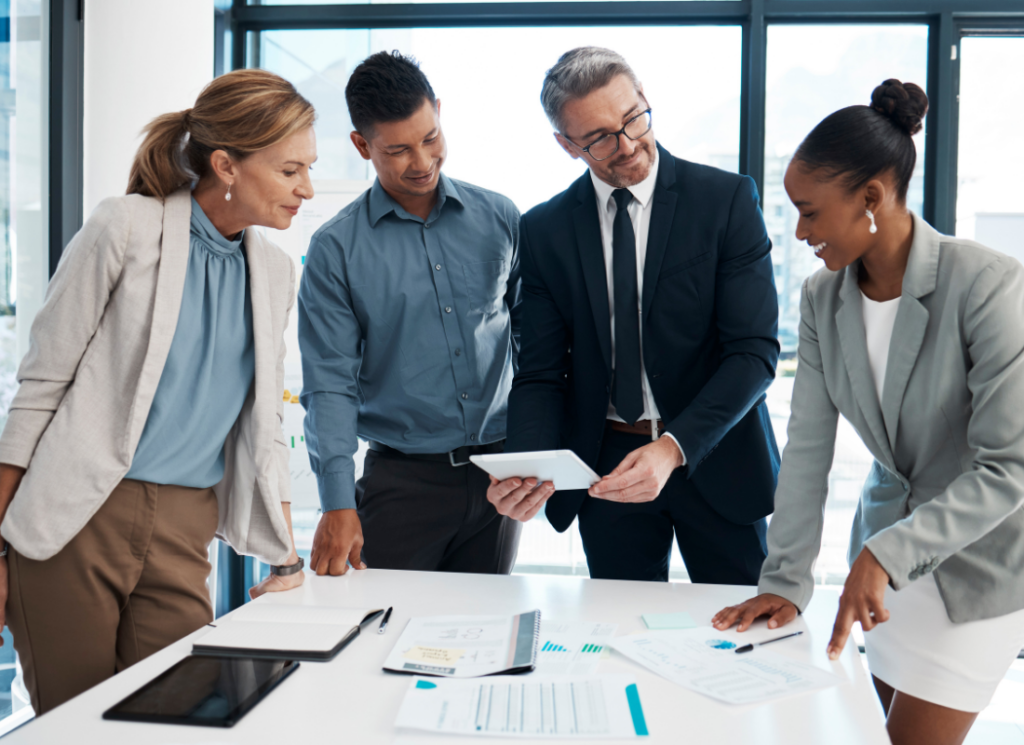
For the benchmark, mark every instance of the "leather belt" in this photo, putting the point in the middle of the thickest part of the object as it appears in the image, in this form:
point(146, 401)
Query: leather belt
point(640, 428)
point(456, 458)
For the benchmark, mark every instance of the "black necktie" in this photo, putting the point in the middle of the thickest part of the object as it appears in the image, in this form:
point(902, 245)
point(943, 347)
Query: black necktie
point(626, 393)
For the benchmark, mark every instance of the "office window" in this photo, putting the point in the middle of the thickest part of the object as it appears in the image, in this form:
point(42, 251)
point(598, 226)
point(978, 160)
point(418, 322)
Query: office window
point(24, 259)
point(393, 2)
point(811, 72)
point(990, 200)
point(488, 81)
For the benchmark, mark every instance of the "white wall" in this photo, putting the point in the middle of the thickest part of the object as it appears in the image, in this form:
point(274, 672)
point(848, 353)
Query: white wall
point(143, 58)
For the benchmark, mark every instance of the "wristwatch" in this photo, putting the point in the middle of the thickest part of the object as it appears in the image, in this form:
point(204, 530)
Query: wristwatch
point(285, 571)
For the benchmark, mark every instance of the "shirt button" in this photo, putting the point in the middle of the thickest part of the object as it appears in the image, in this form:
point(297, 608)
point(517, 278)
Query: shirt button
point(426, 225)
point(472, 437)
point(437, 266)
point(448, 309)
point(465, 396)
point(458, 352)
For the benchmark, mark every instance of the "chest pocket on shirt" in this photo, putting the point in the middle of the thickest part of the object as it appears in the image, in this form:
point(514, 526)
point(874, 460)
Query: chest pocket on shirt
point(485, 285)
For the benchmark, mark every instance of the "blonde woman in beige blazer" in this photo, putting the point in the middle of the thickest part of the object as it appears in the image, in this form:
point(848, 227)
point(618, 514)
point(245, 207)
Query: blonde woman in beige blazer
point(916, 339)
point(113, 477)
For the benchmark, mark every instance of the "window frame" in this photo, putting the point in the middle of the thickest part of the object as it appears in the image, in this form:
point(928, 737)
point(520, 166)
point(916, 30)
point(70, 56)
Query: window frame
point(948, 22)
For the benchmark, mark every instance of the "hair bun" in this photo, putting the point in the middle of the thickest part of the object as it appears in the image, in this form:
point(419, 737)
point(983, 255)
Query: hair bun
point(904, 103)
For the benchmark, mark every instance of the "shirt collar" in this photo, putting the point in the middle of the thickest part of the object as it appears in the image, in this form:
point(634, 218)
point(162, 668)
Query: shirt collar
point(381, 203)
point(641, 192)
point(202, 228)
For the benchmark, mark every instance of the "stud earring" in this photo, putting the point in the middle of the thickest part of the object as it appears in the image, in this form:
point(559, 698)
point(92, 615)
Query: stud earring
point(227, 197)
point(871, 216)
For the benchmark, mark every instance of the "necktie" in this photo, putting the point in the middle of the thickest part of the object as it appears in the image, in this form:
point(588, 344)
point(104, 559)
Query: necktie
point(626, 393)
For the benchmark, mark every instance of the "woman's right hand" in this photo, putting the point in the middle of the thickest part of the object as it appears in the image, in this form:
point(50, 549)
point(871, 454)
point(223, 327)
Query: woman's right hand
point(779, 610)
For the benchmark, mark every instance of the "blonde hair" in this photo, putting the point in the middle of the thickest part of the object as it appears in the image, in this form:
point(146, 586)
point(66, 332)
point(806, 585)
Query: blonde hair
point(240, 112)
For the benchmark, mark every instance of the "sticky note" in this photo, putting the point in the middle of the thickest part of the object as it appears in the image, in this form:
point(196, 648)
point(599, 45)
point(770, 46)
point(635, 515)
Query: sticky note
point(435, 654)
point(680, 620)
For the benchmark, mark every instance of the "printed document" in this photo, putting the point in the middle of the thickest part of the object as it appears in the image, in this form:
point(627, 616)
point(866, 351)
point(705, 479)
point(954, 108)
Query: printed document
point(573, 648)
point(704, 660)
point(602, 706)
point(466, 646)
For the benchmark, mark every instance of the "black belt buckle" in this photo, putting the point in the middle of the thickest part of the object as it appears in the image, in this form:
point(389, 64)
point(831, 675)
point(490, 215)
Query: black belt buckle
point(451, 457)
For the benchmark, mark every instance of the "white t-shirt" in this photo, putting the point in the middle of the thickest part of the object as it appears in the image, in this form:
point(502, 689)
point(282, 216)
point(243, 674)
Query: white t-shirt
point(879, 318)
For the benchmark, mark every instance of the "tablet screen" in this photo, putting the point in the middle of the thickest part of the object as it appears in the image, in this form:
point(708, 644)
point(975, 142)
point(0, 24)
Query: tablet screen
point(209, 691)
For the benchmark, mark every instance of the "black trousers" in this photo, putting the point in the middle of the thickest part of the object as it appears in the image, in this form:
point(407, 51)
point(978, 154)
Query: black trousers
point(634, 541)
point(431, 516)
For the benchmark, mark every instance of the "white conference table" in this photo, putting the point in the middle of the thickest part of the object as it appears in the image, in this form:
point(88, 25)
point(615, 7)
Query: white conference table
point(351, 700)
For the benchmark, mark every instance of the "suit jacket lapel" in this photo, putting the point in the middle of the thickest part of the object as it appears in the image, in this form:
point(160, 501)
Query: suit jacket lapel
point(170, 284)
point(262, 332)
point(588, 241)
point(852, 339)
point(662, 213)
point(911, 322)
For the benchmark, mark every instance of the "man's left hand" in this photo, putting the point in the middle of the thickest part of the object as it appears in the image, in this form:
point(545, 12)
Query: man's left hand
point(642, 475)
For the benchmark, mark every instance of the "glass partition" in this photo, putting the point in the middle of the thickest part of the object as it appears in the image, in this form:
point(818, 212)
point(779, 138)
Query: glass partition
point(488, 82)
point(990, 200)
point(811, 72)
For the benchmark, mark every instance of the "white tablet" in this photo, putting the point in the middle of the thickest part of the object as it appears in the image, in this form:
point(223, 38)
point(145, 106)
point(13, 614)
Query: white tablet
point(561, 467)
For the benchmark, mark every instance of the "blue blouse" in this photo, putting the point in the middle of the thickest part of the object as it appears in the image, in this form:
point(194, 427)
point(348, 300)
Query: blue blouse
point(209, 369)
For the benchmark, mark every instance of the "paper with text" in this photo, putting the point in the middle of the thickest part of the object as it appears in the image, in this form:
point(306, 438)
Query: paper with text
point(466, 646)
point(704, 660)
point(602, 706)
point(573, 648)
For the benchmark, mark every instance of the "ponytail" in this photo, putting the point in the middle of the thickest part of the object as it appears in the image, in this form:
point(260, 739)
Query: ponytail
point(240, 113)
point(158, 169)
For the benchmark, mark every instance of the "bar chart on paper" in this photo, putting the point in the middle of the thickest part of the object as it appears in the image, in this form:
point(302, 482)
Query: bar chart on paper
point(572, 648)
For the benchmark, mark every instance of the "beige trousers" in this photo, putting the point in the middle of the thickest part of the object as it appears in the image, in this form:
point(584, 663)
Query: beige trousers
point(130, 583)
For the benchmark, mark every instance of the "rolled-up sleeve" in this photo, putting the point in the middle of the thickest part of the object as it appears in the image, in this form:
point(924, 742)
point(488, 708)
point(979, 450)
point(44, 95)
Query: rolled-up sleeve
point(330, 339)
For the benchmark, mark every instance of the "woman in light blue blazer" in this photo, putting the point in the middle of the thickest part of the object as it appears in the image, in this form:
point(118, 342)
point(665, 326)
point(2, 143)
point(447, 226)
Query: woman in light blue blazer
point(916, 338)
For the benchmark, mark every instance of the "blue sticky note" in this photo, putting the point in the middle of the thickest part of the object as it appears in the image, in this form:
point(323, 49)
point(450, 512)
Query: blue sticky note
point(680, 620)
point(425, 685)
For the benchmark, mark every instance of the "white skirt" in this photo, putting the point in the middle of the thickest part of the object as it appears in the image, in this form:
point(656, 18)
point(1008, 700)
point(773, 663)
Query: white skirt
point(921, 652)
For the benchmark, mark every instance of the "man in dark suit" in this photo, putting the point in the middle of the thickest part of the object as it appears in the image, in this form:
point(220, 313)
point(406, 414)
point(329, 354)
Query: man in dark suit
point(648, 342)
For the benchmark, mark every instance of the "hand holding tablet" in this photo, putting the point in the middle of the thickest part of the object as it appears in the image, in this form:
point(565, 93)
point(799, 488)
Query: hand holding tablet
point(522, 482)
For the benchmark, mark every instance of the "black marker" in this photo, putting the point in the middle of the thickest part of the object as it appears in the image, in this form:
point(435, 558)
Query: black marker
point(750, 647)
point(384, 621)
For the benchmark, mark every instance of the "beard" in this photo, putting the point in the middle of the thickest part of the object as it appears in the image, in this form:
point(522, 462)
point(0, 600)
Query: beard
point(635, 173)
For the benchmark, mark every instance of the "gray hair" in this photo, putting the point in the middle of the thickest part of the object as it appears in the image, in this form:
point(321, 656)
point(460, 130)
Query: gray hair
point(578, 73)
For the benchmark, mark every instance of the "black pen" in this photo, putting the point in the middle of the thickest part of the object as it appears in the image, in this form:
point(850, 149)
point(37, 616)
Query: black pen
point(384, 621)
point(750, 647)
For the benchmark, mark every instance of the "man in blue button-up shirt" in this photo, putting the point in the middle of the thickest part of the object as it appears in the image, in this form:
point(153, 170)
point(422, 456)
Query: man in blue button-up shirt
point(407, 326)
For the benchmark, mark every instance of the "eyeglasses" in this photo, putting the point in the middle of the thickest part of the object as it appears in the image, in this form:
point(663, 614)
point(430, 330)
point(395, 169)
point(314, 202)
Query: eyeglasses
point(607, 145)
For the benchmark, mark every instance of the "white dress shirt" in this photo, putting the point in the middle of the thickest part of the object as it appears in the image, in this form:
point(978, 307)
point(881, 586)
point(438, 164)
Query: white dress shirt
point(640, 215)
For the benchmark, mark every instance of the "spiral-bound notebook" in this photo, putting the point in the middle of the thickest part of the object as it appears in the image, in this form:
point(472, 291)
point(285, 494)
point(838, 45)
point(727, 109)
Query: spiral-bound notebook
point(467, 646)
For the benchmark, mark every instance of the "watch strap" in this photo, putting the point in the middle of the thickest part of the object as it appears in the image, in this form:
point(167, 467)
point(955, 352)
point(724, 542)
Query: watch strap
point(284, 571)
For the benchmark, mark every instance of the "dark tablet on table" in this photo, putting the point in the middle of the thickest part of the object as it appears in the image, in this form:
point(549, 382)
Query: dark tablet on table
point(207, 691)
